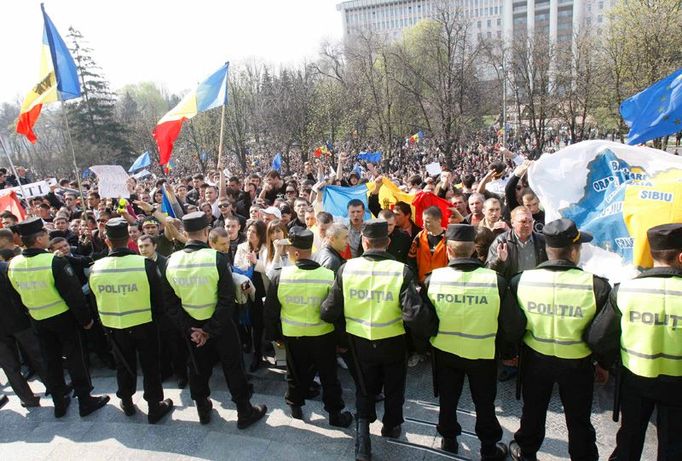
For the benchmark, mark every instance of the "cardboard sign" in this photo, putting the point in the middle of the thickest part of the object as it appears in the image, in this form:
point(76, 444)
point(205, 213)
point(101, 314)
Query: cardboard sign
point(112, 181)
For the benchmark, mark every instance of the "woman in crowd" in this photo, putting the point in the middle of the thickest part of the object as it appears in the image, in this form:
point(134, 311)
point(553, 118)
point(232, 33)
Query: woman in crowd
point(276, 255)
point(251, 257)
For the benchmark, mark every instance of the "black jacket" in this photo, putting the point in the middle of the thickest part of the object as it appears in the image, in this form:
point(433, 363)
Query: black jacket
point(601, 296)
point(510, 320)
point(416, 317)
point(510, 267)
point(400, 245)
point(330, 258)
point(13, 315)
point(224, 309)
point(273, 308)
point(68, 286)
point(153, 277)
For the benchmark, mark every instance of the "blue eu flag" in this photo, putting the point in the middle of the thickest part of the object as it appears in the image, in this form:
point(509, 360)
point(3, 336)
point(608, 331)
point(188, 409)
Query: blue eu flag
point(656, 111)
point(277, 162)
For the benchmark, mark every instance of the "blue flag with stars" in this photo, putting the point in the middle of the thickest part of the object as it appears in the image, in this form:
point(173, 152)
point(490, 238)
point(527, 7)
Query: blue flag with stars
point(656, 111)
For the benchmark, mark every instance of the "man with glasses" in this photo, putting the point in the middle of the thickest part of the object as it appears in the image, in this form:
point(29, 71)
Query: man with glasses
point(226, 208)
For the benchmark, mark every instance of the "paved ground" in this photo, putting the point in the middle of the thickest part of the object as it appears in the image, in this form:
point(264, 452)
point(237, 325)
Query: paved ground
point(109, 434)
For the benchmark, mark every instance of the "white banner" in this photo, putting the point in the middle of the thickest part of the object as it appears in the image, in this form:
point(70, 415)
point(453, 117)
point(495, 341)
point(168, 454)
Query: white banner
point(34, 189)
point(614, 191)
point(112, 181)
point(434, 169)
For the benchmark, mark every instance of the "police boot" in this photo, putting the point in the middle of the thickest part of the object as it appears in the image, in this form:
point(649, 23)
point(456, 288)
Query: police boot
point(296, 411)
point(90, 404)
point(204, 408)
point(340, 419)
point(363, 445)
point(245, 420)
point(517, 454)
point(128, 407)
point(497, 452)
point(391, 432)
point(158, 410)
point(60, 406)
point(449, 444)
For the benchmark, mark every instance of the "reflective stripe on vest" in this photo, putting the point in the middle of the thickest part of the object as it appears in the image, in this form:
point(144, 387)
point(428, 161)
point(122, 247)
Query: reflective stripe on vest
point(467, 305)
point(121, 288)
point(559, 305)
point(651, 326)
point(301, 292)
point(33, 279)
point(194, 279)
point(371, 298)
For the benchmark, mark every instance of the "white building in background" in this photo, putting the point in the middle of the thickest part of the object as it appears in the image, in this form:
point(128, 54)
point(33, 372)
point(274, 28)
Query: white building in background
point(391, 17)
point(490, 19)
point(559, 20)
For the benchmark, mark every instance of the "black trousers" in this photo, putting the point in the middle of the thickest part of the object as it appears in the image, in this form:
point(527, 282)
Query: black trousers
point(172, 350)
point(305, 357)
point(637, 404)
point(139, 341)
point(482, 374)
point(59, 336)
point(576, 385)
point(382, 362)
point(9, 361)
point(226, 348)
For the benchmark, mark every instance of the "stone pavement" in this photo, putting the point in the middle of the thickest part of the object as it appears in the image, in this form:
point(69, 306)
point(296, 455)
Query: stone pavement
point(109, 435)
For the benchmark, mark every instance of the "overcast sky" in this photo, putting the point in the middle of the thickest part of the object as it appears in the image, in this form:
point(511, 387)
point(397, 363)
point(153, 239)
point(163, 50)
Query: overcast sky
point(174, 43)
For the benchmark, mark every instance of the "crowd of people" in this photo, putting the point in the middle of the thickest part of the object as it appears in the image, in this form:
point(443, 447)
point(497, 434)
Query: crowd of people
point(196, 269)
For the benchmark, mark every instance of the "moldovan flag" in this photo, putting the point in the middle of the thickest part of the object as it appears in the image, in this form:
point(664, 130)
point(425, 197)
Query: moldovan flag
point(210, 93)
point(58, 79)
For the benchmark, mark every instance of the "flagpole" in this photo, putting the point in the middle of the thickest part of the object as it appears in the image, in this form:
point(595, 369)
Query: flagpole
point(73, 154)
point(14, 171)
point(222, 121)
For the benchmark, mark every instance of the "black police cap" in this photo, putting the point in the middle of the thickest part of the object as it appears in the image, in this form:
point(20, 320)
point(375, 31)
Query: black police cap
point(563, 232)
point(301, 238)
point(117, 229)
point(665, 237)
point(30, 226)
point(194, 222)
point(375, 228)
point(460, 233)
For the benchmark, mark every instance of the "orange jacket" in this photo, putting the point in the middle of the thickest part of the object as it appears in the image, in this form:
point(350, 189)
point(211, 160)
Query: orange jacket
point(425, 260)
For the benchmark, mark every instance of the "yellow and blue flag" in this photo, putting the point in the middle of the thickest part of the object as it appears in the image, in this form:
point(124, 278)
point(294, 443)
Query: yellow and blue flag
point(656, 111)
point(58, 79)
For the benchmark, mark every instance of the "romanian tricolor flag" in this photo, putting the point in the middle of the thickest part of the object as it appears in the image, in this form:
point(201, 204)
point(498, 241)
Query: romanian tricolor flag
point(210, 93)
point(58, 79)
point(418, 136)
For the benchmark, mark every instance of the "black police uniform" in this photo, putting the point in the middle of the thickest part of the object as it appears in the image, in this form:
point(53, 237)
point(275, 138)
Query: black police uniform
point(15, 328)
point(140, 341)
point(223, 341)
point(306, 355)
point(639, 395)
point(384, 361)
point(59, 336)
point(450, 369)
point(575, 377)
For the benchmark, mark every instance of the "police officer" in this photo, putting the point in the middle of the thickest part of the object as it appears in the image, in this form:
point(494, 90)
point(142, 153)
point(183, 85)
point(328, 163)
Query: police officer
point(127, 291)
point(200, 300)
point(51, 292)
point(292, 311)
point(375, 295)
point(559, 302)
point(643, 321)
point(473, 307)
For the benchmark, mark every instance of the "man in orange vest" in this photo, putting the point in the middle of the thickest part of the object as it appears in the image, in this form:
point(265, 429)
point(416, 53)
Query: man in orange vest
point(428, 250)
